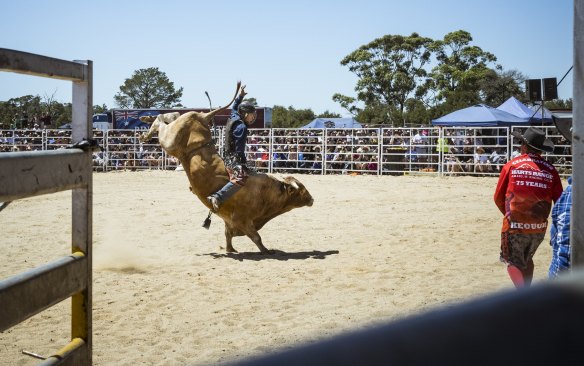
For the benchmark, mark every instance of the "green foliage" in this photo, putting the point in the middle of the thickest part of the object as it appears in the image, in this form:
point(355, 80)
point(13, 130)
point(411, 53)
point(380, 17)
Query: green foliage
point(460, 70)
point(390, 71)
point(498, 86)
point(327, 114)
point(148, 88)
point(252, 101)
point(22, 112)
point(559, 104)
point(26, 111)
point(397, 86)
point(375, 114)
point(347, 103)
point(290, 117)
point(100, 109)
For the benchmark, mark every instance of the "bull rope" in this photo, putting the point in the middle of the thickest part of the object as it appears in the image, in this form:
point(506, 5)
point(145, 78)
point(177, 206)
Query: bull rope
point(207, 222)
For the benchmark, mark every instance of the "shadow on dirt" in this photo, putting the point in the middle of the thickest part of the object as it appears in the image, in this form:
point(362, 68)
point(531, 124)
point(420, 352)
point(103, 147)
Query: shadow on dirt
point(274, 255)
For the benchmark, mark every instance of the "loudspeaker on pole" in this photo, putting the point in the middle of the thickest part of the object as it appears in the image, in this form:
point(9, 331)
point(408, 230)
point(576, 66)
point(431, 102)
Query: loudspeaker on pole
point(533, 89)
point(550, 89)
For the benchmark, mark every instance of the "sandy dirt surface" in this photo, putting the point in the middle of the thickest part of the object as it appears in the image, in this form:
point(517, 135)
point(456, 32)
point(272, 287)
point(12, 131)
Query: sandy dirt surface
point(371, 250)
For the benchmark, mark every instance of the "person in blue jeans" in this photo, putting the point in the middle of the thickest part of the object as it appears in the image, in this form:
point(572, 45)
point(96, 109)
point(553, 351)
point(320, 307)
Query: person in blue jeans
point(243, 114)
point(560, 233)
point(561, 215)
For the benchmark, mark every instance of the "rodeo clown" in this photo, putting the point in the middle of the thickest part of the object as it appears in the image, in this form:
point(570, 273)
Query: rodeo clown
point(242, 116)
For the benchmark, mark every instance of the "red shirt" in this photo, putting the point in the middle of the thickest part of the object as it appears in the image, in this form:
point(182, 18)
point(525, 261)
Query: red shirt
point(527, 186)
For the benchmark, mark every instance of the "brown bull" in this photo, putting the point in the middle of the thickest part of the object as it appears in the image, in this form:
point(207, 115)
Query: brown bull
point(188, 138)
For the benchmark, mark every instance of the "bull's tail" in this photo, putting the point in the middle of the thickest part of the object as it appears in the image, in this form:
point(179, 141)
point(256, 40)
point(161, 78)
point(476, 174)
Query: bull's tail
point(207, 222)
point(212, 113)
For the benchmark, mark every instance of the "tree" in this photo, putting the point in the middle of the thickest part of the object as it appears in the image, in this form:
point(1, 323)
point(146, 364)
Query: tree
point(100, 109)
point(390, 71)
point(327, 114)
point(290, 117)
point(62, 114)
point(347, 103)
point(22, 112)
point(559, 104)
point(8, 113)
point(461, 67)
point(251, 101)
point(148, 88)
point(48, 107)
point(498, 86)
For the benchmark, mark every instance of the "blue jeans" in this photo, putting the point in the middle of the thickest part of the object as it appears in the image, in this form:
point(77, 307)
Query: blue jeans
point(226, 192)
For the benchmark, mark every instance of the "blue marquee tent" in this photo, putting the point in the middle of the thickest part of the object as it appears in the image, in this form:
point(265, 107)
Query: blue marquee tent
point(547, 115)
point(480, 115)
point(514, 106)
point(333, 123)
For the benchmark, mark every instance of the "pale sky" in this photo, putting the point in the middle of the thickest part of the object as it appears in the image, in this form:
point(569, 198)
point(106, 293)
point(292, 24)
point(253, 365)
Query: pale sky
point(288, 53)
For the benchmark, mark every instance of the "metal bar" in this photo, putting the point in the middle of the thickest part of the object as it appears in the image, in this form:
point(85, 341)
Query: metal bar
point(72, 354)
point(82, 214)
point(577, 219)
point(33, 291)
point(27, 174)
point(37, 65)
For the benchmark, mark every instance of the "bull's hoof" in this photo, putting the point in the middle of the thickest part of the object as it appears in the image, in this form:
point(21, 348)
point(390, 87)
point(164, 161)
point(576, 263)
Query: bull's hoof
point(143, 138)
point(267, 252)
point(148, 119)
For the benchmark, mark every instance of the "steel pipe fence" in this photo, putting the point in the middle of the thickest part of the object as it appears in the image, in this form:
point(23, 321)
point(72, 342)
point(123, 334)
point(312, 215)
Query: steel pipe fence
point(33, 291)
point(378, 151)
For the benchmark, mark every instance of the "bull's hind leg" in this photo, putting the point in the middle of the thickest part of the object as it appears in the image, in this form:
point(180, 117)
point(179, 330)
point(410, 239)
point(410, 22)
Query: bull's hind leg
point(229, 239)
point(158, 122)
point(250, 233)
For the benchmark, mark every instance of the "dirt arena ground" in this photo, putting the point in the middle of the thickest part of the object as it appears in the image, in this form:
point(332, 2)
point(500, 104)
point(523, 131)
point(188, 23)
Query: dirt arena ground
point(371, 250)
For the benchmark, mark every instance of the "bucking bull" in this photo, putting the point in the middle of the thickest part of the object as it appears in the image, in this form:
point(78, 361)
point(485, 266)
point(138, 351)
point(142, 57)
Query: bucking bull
point(188, 138)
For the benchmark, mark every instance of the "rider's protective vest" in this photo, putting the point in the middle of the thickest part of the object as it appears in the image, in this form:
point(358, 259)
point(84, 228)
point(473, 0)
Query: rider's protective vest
point(234, 153)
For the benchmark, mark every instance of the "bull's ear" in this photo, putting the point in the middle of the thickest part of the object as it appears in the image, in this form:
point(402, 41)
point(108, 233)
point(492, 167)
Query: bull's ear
point(290, 189)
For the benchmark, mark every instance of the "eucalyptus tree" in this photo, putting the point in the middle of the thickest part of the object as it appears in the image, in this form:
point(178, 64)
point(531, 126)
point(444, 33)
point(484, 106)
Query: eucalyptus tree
point(498, 86)
point(290, 117)
point(460, 69)
point(21, 112)
point(390, 71)
point(148, 88)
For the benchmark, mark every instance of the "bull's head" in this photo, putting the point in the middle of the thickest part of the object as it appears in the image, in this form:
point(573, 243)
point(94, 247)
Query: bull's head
point(298, 195)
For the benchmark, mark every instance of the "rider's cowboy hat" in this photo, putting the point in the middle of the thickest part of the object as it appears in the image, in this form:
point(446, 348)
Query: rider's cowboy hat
point(535, 138)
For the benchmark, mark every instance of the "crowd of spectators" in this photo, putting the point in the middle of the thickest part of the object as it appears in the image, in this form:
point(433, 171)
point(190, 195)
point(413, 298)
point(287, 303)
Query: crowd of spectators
point(452, 151)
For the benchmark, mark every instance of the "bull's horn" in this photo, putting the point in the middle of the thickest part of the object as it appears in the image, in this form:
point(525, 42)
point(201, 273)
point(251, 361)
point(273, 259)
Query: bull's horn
point(295, 185)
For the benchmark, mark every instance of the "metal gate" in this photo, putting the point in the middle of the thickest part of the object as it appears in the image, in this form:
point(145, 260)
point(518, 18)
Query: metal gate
point(27, 174)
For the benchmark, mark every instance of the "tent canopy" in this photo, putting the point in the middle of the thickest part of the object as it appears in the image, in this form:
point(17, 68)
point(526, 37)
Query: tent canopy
point(333, 123)
point(547, 115)
point(480, 115)
point(514, 106)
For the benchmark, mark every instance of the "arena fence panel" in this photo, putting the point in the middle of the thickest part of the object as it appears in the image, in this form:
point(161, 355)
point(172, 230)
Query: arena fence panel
point(561, 157)
point(473, 151)
point(439, 151)
point(26, 173)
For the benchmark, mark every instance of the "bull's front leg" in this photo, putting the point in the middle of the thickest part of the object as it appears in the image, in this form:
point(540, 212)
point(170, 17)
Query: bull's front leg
point(253, 234)
point(158, 122)
point(147, 136)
